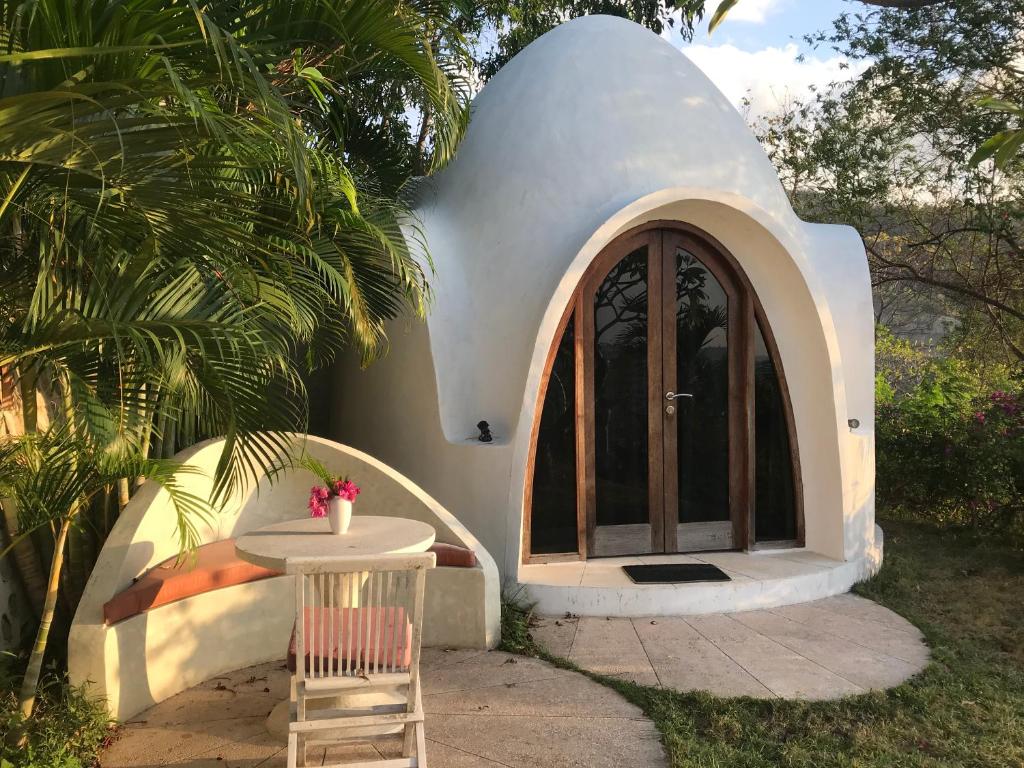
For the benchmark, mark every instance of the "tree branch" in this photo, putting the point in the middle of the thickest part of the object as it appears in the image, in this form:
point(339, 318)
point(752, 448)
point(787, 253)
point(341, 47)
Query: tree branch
point(915, 275)
point(904, 4)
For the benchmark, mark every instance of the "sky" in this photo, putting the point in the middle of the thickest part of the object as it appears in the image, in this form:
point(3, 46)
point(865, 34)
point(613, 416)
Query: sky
point(755, 51)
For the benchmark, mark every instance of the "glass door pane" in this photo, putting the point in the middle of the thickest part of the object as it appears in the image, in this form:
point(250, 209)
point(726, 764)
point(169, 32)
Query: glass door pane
point(774, 497)
point(702, 419)
point(553, 522)
point(620, 408)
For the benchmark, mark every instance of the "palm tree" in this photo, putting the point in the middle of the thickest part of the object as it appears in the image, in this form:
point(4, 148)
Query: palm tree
point(183, 230)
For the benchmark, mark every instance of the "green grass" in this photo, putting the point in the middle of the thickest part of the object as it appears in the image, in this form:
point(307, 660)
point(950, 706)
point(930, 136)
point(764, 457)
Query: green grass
point(965, 709)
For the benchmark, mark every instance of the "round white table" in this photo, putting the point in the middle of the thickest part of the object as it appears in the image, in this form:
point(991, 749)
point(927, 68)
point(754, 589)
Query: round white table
point(368, 535)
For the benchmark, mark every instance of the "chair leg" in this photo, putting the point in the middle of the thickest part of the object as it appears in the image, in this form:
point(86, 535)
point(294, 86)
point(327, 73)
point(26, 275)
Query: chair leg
point(299, 712)
point(293, 750)
point(407, 743)
point(421, 746)
point(414, 731)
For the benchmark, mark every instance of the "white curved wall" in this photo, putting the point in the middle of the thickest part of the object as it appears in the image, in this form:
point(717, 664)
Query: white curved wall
point(595, 128)
point(588, 119)
point(144, 659)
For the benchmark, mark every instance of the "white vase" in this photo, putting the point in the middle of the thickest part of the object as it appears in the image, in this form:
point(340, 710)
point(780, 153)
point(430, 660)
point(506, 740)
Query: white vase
point(339, 515)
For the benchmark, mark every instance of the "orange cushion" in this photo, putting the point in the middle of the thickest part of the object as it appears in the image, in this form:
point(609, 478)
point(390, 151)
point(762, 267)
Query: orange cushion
point(382, 634)
point(216, 565)
point(452, 556)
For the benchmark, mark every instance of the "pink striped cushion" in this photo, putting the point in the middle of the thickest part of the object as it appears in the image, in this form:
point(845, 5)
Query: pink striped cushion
point(366, 635)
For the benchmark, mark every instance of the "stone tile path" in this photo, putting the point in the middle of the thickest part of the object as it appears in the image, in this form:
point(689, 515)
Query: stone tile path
point(483, 710)
point(821, 650)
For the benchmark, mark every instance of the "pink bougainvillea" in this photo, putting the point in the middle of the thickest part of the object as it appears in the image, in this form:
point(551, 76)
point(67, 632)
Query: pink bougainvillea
point(336, 487)
point(346, 490)
point(318, 496)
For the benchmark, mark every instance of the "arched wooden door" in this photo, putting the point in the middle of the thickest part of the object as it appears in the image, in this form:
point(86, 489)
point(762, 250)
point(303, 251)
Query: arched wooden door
point(665, 425)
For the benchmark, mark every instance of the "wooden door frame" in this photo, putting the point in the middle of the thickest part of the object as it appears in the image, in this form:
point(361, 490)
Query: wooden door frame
point(740, 429)
point(595, 275)
point(742, 468)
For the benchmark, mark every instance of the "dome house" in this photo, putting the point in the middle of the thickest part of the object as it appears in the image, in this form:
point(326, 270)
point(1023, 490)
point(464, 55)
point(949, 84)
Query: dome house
point(674, 368)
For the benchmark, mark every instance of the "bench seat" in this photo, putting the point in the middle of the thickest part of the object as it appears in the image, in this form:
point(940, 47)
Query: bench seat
point(216, 566)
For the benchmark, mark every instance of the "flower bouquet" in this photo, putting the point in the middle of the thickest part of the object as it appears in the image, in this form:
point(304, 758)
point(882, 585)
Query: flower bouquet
point(333, 499)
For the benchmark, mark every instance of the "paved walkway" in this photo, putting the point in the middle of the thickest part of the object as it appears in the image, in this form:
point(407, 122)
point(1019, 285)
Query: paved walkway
point(821, 650)
point(483, 710)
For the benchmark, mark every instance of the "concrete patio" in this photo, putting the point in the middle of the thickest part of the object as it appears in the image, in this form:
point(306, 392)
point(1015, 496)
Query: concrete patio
point(489, 709)
point(484, 709)
point(826, 649)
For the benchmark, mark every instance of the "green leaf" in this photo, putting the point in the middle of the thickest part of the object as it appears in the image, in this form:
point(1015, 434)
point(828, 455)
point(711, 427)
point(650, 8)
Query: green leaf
point(1010, 147)
point(87, 52)
point(990, 146)
point(1000, 105)
point(720, 13)
point(312, 73)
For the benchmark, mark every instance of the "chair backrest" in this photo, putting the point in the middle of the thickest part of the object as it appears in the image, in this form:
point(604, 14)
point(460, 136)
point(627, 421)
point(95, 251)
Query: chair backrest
point(358, 617)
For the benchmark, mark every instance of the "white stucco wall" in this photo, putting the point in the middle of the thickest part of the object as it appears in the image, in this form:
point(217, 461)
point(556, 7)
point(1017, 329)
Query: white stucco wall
point(595, 128)
point(588, 119)
point(146, 658)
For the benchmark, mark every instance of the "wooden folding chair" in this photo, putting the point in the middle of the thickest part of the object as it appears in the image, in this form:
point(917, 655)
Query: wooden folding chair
point(358, 626)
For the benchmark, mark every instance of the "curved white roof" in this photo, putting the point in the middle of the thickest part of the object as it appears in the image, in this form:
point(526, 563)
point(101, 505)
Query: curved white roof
point(589, 118)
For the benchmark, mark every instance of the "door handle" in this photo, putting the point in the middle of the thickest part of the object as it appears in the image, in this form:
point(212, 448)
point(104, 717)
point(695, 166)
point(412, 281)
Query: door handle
point(676, 395)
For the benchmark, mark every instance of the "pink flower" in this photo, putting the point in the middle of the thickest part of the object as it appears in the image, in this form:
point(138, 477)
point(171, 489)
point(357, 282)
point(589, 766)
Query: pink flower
point(320, 495)
point(318, 501)
point(979, 417)
point(347, 490)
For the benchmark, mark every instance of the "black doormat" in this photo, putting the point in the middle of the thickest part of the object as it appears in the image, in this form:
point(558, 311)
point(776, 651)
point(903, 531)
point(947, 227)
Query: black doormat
point(674, 574)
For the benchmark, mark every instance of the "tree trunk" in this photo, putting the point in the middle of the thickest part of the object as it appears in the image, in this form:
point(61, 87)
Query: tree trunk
point(27, 385)
point(420, 158)
point(123, 494)
point(27, 697)
point(76, 571)
point(79, 564)
point(26, 559)
point(170, 439)
point(152, 399)
point(10, 404)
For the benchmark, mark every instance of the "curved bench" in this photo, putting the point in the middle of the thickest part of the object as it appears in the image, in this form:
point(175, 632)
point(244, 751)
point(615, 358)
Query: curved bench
point(145, 630)
point(216, 566)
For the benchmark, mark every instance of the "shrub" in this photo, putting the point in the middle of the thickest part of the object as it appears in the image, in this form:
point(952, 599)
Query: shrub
point(66, 730)
point(950, 446)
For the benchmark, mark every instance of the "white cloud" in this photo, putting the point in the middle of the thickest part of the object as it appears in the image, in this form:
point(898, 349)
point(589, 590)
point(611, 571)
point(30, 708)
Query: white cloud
point(753, 11)
point(769, 77)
